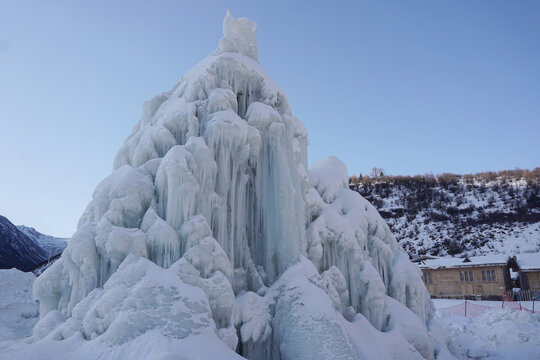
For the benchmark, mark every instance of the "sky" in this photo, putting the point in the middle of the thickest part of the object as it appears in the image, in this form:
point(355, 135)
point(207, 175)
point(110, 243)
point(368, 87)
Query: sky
point(410, 86)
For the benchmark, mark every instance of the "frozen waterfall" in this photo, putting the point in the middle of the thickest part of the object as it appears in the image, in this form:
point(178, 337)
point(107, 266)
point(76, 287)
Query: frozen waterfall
point(211, 225)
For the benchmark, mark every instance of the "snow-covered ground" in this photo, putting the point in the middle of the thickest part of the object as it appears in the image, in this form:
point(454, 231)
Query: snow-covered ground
point(441, 304)
point(497, 334)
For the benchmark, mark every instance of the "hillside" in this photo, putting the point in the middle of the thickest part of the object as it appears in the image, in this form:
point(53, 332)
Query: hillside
point(484, 213)
point(18, 250)
point(52, 245)
point(24, 247)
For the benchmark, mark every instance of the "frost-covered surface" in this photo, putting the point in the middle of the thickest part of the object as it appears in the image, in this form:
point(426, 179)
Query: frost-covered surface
point(498, 334)
point(452, 214)
point(212, 236)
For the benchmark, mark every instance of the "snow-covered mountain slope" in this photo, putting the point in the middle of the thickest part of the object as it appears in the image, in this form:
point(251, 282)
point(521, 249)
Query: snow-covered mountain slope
point(52, 245)
point(25, 248)
point(486, 213)
point(18, 250)
point(212, 239)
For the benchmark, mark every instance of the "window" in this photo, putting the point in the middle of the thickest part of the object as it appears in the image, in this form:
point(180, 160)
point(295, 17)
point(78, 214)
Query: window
point(466, 276)
point(429, 276)
point(424, 277)
point(488, 275)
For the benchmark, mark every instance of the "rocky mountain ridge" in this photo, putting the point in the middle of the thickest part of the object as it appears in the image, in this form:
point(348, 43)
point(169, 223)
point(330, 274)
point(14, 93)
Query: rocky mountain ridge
point(25, 248)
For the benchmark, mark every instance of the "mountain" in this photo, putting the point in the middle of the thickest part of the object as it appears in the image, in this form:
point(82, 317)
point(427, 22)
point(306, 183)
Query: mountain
point(25, 248)
point(17, 249)
point(213, 239)
point(485, 213)
point(52, 245)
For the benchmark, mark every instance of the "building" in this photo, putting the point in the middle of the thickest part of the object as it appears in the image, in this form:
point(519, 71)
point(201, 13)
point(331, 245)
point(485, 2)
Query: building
point(477, 277)
point(529, 271)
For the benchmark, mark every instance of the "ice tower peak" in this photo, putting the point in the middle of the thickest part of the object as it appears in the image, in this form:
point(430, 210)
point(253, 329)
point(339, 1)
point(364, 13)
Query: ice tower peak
point(239, 35)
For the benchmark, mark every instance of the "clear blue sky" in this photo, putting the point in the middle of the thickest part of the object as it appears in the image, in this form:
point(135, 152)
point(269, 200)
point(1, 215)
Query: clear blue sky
point(410, 86)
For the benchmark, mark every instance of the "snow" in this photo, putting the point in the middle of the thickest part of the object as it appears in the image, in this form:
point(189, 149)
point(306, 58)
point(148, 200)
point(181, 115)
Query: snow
point(52, 245)
point(528, 261)
point(497, 334)
point(212, 236)
point(471, 216)
point(18, 311)
point(349, 234)
point(142, 312)
point(328, 176)
point(525, 261)
point(453, 262)
point(17, 249)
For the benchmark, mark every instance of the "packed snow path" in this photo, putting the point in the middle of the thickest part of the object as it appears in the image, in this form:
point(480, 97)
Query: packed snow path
point(211, 233)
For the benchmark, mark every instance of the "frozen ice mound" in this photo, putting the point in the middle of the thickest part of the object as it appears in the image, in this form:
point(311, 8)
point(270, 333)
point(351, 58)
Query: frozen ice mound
point(138, 297)
point(328, 176)
point(212, 225)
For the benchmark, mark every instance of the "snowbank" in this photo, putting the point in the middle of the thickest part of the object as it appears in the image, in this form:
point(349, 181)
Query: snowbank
point(18, 311)
point(497, 334)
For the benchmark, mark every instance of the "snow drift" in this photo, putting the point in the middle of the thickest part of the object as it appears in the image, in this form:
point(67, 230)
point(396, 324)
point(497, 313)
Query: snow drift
point(212, 227)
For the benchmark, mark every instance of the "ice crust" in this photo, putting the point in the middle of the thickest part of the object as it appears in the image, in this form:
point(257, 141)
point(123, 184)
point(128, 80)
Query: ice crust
point(211, 223)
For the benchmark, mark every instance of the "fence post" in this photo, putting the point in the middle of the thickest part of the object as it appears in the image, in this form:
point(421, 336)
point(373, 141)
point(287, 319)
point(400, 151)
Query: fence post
point(465, 308)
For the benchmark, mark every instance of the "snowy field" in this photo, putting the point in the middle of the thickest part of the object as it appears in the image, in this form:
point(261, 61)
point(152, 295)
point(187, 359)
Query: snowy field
point(497, 334)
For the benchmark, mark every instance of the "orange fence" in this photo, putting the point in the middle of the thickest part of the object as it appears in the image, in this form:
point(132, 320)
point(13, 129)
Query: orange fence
point(469, 309)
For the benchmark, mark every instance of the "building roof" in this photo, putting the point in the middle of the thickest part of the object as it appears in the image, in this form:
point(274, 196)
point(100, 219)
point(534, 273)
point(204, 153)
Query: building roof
point(528, 262)
point(452, 262)
point(424, 257)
